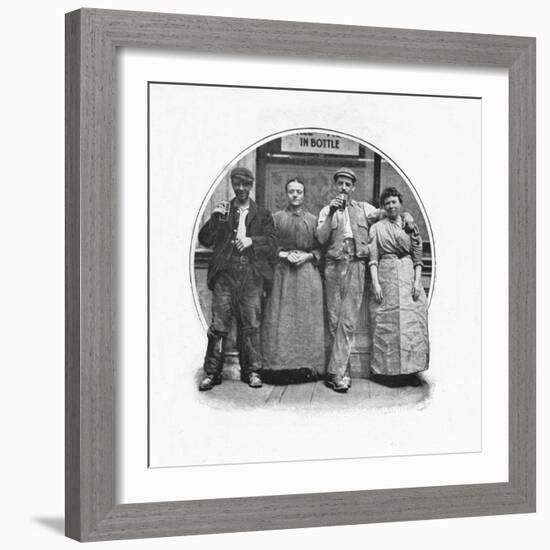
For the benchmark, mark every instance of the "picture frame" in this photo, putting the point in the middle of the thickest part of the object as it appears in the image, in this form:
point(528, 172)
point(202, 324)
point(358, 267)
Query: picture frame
point(92, 39)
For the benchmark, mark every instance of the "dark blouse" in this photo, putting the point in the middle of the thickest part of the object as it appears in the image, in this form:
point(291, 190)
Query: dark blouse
point(296, 231)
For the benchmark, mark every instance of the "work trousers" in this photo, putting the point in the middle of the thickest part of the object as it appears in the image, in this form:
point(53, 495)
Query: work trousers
point(344, 288)
point(237, 292)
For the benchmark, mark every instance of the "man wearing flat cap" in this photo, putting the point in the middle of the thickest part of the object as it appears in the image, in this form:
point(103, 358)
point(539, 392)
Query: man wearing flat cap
point(242, 235)
point(343, 229)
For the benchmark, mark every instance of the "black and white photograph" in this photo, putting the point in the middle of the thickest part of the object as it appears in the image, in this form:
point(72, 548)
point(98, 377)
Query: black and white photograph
point(301, 287)
point(306, 281)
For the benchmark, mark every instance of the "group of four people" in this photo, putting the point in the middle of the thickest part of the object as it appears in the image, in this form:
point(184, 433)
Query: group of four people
point(359, 245)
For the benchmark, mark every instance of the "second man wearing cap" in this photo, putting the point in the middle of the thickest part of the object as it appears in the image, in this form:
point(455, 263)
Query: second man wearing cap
point(343, 229)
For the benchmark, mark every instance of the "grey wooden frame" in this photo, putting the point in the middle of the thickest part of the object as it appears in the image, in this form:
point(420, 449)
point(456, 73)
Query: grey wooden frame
point(92, 38)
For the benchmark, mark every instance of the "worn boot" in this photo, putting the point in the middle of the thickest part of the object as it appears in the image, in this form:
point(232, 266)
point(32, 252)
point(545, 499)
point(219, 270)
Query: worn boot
point(251, 360)
point(213, 362)
point(339, 383)
point(209, 381)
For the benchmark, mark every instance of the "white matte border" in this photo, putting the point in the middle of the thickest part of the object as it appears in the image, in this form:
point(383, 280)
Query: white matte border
point(194, 129)
point(139, 484)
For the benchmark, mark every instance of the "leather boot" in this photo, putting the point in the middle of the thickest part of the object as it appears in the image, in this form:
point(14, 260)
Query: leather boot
point(340, 384)
point(213, 362)
point(251, 360)
point(209, 381)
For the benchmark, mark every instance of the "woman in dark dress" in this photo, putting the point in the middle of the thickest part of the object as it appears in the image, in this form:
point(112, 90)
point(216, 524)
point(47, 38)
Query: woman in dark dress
point(293, 325)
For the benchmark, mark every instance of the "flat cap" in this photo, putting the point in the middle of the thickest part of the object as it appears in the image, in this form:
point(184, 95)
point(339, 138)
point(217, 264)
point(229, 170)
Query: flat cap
point(346, 172)
point(242, 173)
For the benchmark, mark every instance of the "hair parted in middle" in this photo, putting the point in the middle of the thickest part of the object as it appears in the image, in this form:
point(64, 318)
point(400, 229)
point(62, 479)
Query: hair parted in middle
point(295, 180)
point(390, 192)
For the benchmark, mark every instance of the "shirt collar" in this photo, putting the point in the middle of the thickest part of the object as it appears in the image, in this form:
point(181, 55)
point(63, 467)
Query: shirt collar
point(398, 221)
point(292, 212)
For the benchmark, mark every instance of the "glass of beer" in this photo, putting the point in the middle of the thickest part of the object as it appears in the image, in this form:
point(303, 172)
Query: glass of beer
point(225, 206)
point(344, 198)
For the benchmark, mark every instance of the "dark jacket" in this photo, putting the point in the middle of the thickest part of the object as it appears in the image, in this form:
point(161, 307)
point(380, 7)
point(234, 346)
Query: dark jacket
point(219, 235)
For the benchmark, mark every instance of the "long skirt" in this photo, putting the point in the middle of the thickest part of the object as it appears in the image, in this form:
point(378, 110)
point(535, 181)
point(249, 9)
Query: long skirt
point(400, 342)
point(293, 341)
